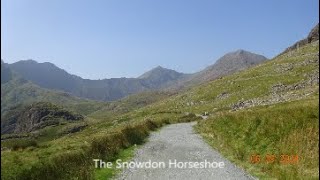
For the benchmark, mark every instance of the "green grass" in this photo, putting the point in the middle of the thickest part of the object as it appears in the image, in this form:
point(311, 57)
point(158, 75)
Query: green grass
point(18, 144)
point(108, 173)
point(127, 104)
point(72, 156)
point(288, 128)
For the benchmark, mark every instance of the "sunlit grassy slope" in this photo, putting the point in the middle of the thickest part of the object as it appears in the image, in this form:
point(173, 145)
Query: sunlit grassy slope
point(19, 91)
point(130, 103)
point(276, 130)
point(286, 84)
point(297, 71)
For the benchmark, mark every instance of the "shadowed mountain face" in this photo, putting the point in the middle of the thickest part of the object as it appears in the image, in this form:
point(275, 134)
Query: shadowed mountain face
point(47, 75)
point(6, 73)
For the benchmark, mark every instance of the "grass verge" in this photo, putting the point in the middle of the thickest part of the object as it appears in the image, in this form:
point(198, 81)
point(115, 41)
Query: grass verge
point(269, 132)
point(77, 161)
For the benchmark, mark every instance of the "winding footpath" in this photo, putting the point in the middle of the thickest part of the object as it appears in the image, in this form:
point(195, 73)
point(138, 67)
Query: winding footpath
point(173, 145)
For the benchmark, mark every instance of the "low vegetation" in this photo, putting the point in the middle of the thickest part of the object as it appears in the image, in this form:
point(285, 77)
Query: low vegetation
point(68, 157)
point(286, 129)
point(19, 143)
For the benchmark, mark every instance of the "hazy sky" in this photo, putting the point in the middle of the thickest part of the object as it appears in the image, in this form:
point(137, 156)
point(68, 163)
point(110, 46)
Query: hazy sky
point(124, 38)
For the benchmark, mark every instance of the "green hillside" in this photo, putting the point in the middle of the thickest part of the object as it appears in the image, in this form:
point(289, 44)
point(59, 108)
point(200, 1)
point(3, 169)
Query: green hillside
point(19, 91)
point(258, 101)
point(130, 103)
point(289, 77)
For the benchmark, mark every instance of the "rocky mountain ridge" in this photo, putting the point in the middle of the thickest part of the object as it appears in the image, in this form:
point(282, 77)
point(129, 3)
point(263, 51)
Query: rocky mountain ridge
point(49, 76)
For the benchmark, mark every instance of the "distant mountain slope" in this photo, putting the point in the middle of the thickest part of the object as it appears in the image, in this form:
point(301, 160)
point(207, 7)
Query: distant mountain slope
point(161, 77)
point(18, 91)
point(227, 64)
point(48, 75)
point(6, 73)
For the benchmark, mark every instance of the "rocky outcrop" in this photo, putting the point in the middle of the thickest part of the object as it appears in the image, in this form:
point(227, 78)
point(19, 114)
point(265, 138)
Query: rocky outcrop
point(314, 34)
point(312, 37)
point(282, 93)
point(23, 119)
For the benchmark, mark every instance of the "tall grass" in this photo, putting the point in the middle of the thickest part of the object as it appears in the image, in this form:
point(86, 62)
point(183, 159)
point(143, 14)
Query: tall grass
point(20, 143)
point(78, 164)
point(283, 129)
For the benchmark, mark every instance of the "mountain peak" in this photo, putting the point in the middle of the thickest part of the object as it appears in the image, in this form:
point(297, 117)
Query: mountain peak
point(31, 61)
point(240, 51)
point(160, 72)
point(159, 67)
point(230, 63)
point(161, 77)
point(156, 71)
point(28, 61)
point(242, 55)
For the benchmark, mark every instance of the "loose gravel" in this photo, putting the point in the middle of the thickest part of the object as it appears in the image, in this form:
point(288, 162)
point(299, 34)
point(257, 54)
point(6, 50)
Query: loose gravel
point(179, 142)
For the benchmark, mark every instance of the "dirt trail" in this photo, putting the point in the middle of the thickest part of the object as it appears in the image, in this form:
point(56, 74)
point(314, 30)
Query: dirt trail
point(179, 142)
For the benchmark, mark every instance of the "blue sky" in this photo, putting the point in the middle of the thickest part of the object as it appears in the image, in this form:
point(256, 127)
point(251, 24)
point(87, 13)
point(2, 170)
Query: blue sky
point(124, 38)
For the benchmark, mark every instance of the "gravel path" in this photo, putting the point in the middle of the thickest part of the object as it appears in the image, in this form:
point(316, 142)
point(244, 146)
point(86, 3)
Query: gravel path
point(179, 142)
